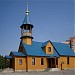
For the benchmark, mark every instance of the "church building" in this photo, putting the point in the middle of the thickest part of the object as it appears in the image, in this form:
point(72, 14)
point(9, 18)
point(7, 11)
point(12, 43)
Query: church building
point(39, 56)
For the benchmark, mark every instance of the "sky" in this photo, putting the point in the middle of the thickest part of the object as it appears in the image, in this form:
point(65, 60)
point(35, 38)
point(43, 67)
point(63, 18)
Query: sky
point(52, 20)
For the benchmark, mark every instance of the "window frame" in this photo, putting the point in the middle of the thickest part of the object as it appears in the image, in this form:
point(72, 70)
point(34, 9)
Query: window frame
point(49, 49)
point(33, 61)
point(20, 61)
point(42, 61)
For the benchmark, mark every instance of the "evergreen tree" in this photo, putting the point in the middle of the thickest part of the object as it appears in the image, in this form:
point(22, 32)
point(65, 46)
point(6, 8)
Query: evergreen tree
point(2, 62)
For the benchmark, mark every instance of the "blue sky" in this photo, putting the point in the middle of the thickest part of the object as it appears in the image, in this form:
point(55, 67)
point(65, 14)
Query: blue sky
point(52, 19)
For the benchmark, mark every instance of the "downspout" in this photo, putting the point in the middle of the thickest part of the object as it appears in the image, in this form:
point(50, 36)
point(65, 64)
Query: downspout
point(26, 64)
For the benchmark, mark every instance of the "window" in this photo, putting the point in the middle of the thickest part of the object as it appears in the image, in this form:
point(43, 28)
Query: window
point(20, 61)
point(42, 61)
point(49, 49)
point(56, 61)
point(33, 61)
point(67, 60)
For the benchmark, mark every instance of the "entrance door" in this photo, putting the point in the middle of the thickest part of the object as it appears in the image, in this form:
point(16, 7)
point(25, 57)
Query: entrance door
point(49, 62)
point(53, 63)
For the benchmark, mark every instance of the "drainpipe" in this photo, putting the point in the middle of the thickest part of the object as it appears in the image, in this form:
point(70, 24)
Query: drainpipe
point(26, 64)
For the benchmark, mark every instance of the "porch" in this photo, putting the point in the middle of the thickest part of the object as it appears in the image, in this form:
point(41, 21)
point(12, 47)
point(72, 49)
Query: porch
point(52, 62)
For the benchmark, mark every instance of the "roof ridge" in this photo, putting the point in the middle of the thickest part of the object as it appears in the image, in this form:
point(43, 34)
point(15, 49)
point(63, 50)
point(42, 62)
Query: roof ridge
point(60, 43)
point(37, 41)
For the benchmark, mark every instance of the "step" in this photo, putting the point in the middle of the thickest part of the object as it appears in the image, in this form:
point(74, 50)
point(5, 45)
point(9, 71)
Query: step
point(51, 69)
point(7, 70)
point(54, 69)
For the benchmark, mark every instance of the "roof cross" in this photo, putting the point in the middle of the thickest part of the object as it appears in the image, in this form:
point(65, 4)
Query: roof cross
point(27, 11)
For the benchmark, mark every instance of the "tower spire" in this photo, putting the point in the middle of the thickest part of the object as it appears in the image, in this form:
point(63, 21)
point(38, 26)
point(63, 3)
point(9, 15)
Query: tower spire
point(26, 19)
point(27, 11)
point(26, 28)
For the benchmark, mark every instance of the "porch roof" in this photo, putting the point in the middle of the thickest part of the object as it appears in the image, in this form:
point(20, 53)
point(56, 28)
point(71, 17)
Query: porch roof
point(8, 57)
point(18, 54)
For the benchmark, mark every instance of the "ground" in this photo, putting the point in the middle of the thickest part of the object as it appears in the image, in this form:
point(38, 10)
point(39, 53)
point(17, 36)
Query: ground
point(65, 72)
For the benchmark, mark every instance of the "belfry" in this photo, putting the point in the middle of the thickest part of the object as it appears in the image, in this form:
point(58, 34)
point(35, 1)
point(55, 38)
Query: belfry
point(26, 29)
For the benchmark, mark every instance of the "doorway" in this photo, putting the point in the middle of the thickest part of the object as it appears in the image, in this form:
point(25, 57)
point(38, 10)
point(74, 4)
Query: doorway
point(51, 63)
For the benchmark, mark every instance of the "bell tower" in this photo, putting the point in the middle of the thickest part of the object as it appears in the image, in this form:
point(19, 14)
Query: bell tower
point(26, 29)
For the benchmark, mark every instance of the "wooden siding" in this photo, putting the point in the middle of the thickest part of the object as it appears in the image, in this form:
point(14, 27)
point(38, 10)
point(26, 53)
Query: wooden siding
point(20, 66)
point(27, 41)
point(64, 64)
point(47, 46)
point(71, 62)
point(27, 63)
point(37, 65)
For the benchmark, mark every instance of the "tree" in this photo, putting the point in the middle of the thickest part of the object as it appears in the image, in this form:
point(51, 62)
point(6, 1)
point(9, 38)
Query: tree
point(2, 62)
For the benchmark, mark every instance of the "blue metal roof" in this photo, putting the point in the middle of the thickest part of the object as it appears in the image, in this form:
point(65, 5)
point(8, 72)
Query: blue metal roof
point(36, 50)
point(45, 43)
point(74, 54)
point(63, 49)
point(26, 20)
point(18, 53)
point(8, 57)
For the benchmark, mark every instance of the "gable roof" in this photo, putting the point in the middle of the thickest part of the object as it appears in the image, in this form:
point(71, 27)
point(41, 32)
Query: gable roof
point(59, 49)
point(45, 43)
point(36, 50)
point(18, 54)
point(63, 49)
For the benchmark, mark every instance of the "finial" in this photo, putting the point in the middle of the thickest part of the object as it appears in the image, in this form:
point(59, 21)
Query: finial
point(27, 6)
point(27, 11)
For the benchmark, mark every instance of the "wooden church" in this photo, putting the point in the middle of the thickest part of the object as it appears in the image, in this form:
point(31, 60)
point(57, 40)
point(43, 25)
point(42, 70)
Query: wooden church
point(39, 56)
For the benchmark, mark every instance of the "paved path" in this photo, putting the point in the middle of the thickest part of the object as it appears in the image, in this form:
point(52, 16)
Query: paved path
point(66, 72)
